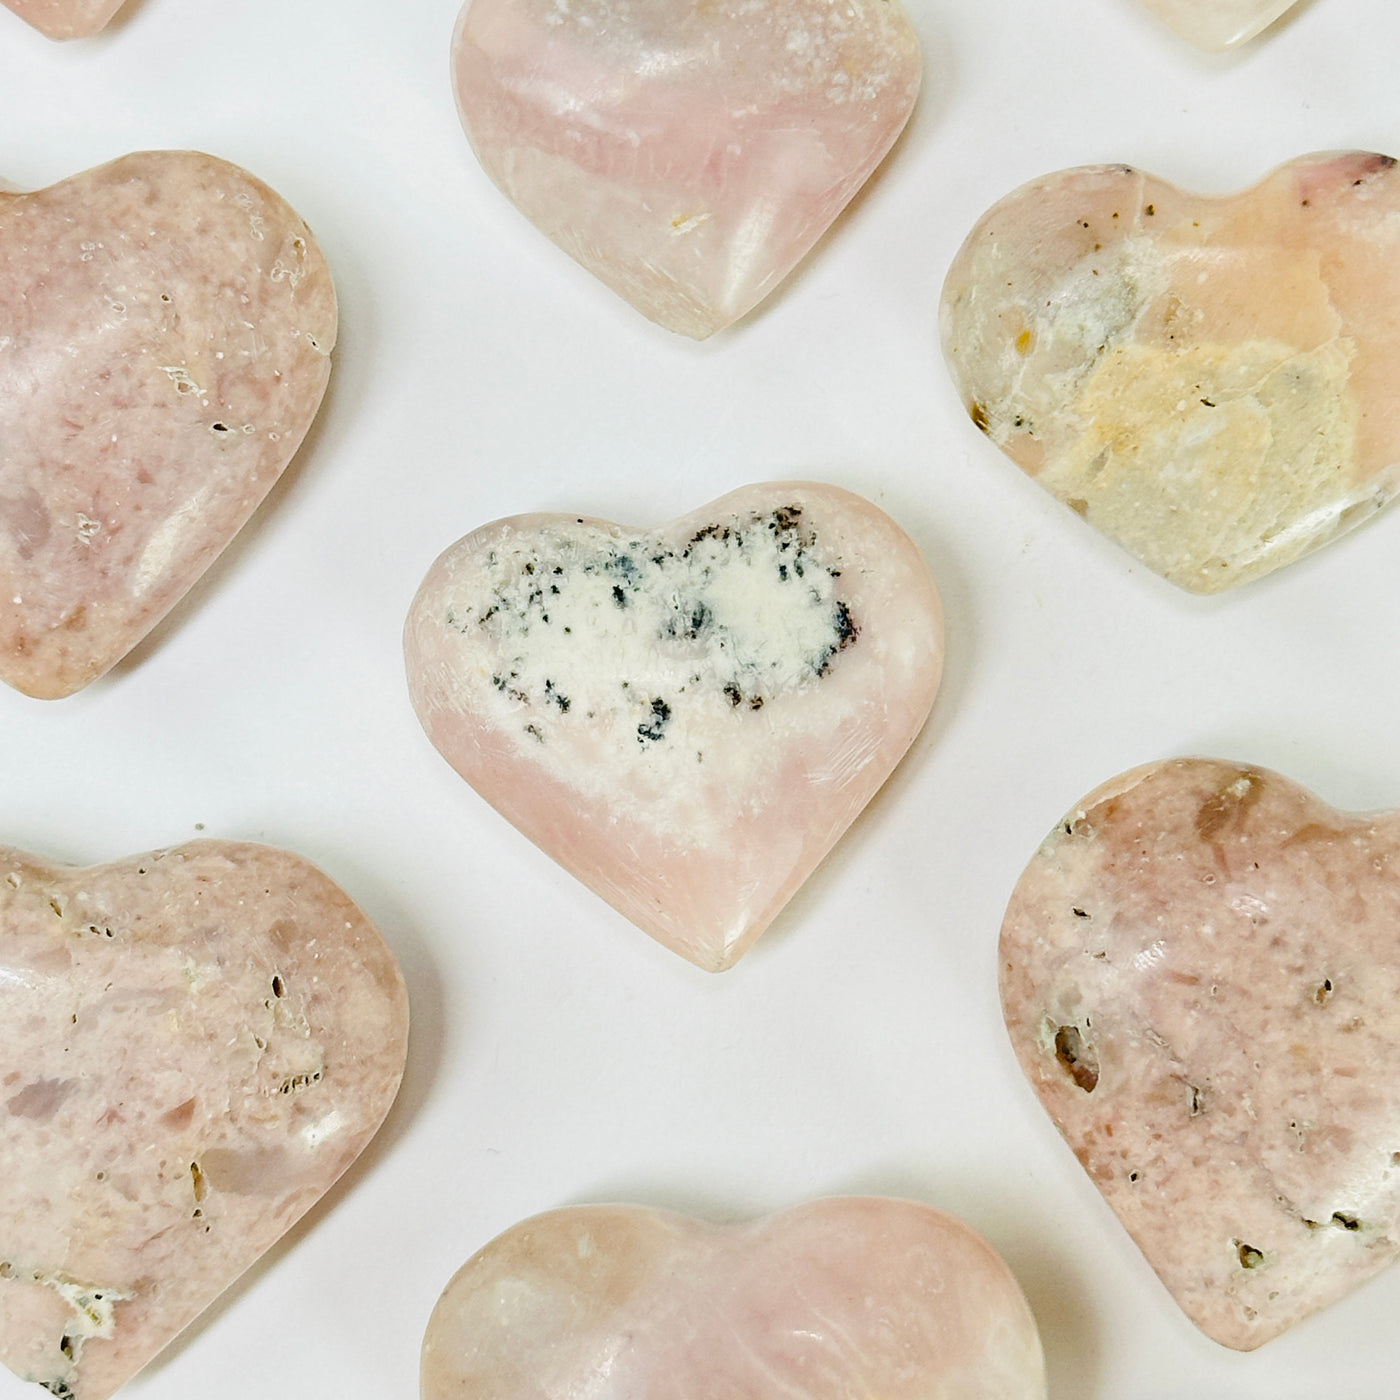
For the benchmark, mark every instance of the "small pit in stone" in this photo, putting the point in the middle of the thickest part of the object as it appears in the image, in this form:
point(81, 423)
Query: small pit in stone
point(1250, 1258)
point(1077, 1057)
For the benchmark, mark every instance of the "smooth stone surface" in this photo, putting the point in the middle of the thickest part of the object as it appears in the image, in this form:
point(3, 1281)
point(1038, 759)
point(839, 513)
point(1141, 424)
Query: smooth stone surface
point(66, 19)
point(166, 323)
point(688, 718)
point(687, 155)
point(835, 1299)
point(1200, 971)
point(1218, 24)
point(1213, 383)
point(197, 1043)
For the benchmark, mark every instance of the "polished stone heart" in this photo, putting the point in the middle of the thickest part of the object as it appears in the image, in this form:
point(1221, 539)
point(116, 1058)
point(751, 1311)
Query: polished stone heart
point(1200, 971)
point(1218, 24)
point(197, 1043)
point(166, 323)
point(687, 155)
point(835, 1299)
point(1214, 383)
point(686, 719)
point(66, 19)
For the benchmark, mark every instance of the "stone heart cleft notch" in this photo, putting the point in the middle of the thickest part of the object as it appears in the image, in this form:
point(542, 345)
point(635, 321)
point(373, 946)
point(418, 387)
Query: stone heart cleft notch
point(198, 1042)
point(1212, 382)
point(166, 324)
point(66, 19)
point(687, 155)
point(686, 719)
point(846, 1297)
point(1200, 971)
point(1218, 24)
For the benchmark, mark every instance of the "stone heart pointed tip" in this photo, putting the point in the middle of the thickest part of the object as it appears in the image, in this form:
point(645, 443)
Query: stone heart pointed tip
point(687, 719)
point(1199, 972)
point(171, 321)
point(1218, 24)
point(66, 19)
point(198, 1043)
point(1212, 382)
point(687, 155)
point(838, 1298)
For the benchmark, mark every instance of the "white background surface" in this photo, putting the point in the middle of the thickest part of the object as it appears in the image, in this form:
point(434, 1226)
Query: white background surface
point(559, 1056)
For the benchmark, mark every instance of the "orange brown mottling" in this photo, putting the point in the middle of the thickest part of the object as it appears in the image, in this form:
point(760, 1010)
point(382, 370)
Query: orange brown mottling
point(1210, 382)
point(1200, 971)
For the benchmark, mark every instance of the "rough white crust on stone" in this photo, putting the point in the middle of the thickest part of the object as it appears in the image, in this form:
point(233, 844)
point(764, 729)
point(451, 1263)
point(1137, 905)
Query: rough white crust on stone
point(197, 1043)
point(686, 718)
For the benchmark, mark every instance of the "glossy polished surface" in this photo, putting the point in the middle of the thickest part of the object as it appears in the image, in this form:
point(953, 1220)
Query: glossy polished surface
point(1211, 382)
point(559, 1054)
point(1218, 24)
point(66, 19)
point(689, 718)
point(832, 1300)
point(198, 1042)
point(688, 155)
point(1200, 971)
point(166, 323)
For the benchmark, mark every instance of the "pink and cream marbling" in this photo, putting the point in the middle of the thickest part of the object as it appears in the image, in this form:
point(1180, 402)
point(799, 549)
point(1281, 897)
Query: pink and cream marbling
point(839, 1298)
point(1200, 971)
point(66, 19)
point(1218, 24)
point(686, 719)
point(197, 1043)
point(1212, 382)
point(166, 323)
point(687, 155)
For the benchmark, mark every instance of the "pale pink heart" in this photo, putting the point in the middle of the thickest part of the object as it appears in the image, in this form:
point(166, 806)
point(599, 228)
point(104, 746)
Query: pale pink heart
point(1212, 382)
point(839, 1298)
point(688, 718)
point(166, 323)
point(687, 155)
point(198, 1042)
point(1218, 24)
point(66, 19)
point(1200, 971)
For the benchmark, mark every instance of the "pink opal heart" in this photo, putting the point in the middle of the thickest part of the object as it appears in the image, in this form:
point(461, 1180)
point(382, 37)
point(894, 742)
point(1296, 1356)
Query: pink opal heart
point(687, 155)
point(166, 323)
point(66, 19)
point(835, 1299)
point(688, 718)
point(198, 1042)
point(1200, 971)
point(1212, 383)
point(1218, 24)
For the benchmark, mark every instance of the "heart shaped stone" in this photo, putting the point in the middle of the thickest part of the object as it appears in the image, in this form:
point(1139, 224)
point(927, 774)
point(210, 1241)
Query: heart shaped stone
point(1218, 24)
point(686, 719)
point(687, 155)
point(198, 1042)
point(166, 323)
point(1211, 382)
point(1200, 972)
point(835, 1299)
point(66, 19)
